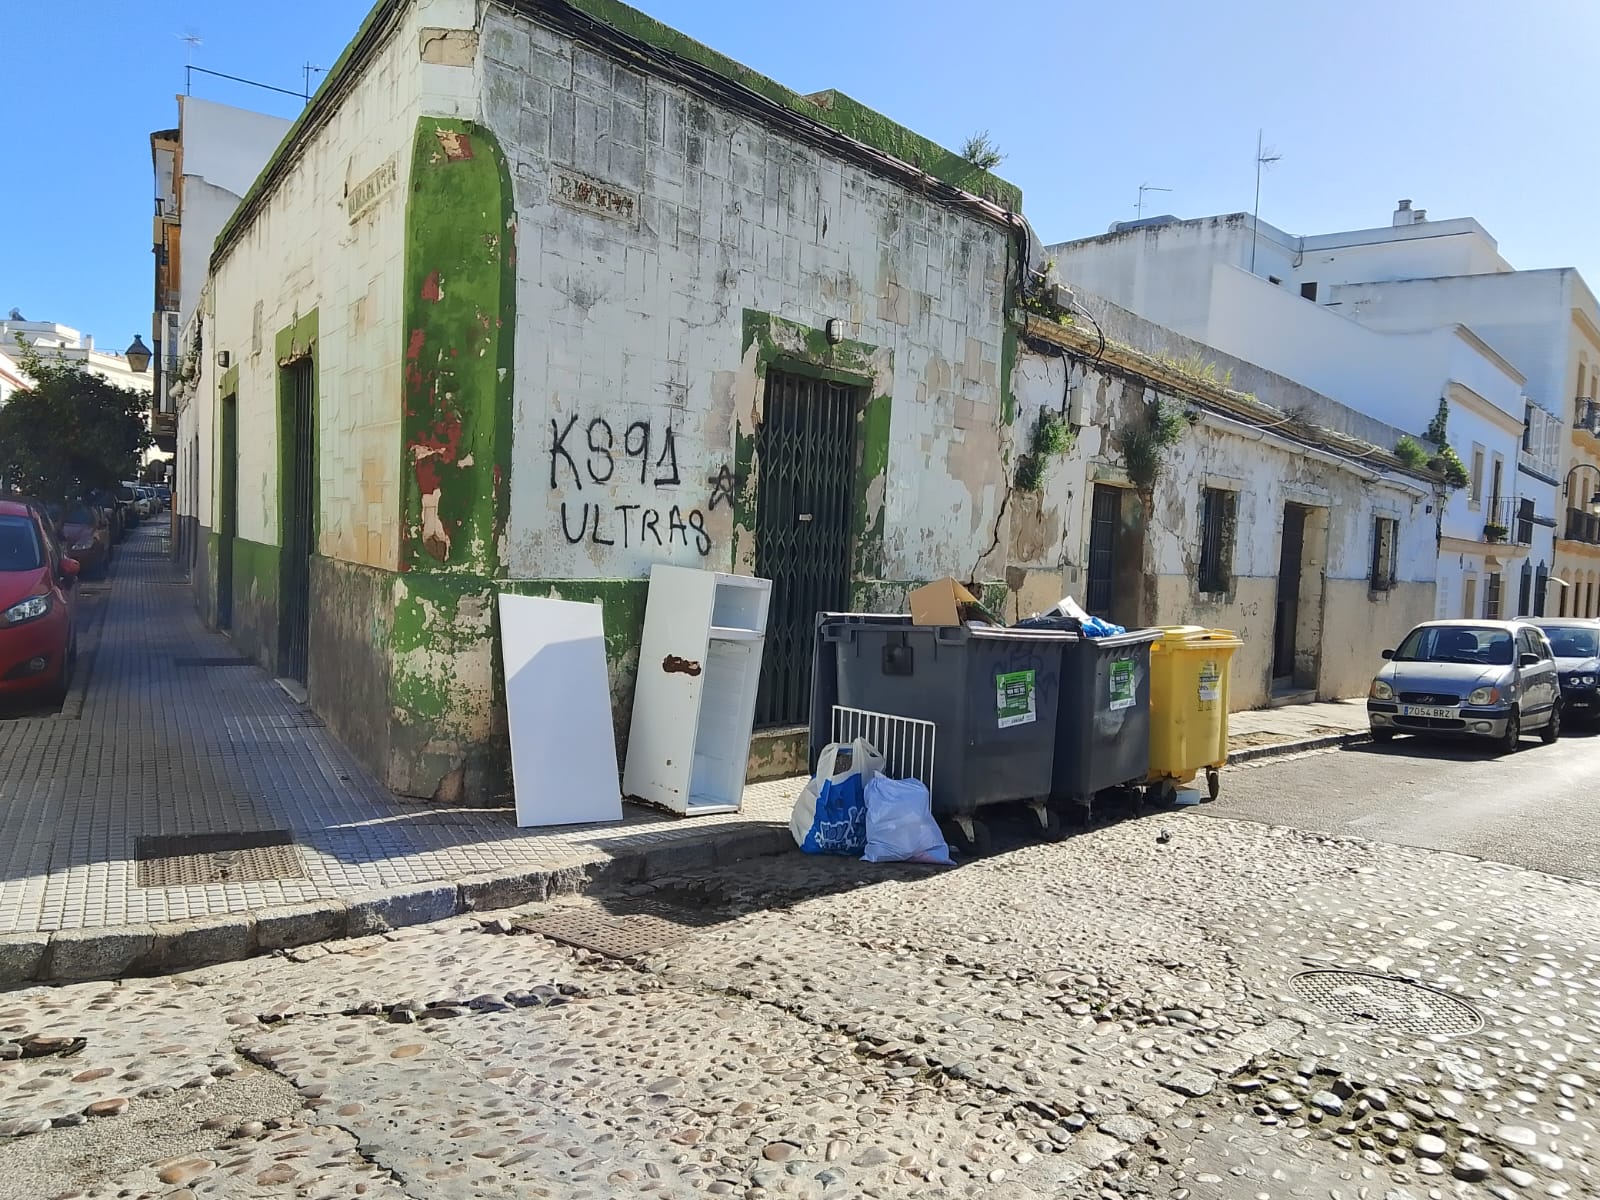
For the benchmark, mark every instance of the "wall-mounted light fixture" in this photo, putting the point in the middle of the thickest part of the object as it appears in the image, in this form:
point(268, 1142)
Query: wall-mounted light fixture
point(224, 359)
point(834, 330)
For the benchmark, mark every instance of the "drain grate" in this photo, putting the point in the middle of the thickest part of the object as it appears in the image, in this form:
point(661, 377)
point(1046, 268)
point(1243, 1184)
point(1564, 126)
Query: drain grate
point(194, 859)
point(1384, 1000)
point(629, 934)
point(230, 660)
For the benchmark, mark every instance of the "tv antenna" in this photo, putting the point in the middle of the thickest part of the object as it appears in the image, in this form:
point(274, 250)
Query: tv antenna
point(309, 70)
point(1265, 157)
point(193, 41)
point(1143, 188)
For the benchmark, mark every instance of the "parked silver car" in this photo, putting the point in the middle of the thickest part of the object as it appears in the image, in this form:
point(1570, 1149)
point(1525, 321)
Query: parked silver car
point(1485, 679)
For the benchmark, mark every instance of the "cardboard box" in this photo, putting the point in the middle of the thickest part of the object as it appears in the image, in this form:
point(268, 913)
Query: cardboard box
point(946, 602)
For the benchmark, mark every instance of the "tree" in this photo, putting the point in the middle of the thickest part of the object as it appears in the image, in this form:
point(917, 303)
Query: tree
point(71, 432)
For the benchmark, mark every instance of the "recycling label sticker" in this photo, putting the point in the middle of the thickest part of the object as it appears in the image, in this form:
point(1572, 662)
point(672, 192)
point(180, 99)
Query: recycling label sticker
point(1122, 684)
point(1210, 680)
point(1014, 701)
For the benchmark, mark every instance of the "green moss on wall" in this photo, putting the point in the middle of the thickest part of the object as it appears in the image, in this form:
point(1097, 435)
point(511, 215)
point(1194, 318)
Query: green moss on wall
point(459, 329)
point(831, 108)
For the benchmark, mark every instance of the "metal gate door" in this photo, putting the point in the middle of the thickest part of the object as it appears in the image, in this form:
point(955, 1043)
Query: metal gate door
point(1104, 518)
point(299, 523)
point(805, 450)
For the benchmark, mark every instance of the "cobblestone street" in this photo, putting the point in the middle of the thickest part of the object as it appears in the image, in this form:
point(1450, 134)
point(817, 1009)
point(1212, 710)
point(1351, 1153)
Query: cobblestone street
point(1131, 1012)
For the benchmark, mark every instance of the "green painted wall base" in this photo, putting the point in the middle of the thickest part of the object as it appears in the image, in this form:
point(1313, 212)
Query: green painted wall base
point(405, 667)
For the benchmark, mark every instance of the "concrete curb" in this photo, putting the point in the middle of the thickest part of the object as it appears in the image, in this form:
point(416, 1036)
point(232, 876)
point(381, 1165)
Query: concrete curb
point(74, 955)
point(1280, 749)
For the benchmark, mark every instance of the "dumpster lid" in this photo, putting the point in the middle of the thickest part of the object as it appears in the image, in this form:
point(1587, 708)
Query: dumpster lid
point(1197, 636)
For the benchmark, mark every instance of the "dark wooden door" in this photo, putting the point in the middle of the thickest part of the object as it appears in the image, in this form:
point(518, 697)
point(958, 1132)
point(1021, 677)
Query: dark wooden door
point(1290, 559)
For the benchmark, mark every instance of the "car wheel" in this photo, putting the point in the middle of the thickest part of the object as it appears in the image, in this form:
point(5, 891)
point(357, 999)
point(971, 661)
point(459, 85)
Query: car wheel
point(1552, 727)
point(1383, 735)
point(1513, 735)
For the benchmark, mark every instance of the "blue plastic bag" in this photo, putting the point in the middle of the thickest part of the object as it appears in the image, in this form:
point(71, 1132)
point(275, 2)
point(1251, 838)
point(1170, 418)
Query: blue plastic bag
point(830, 817)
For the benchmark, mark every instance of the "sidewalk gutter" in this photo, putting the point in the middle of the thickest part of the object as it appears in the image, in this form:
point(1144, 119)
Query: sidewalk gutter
point(74, 955)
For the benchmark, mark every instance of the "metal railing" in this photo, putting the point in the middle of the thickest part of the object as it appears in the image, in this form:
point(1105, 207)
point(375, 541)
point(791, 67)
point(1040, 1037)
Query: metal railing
point(1508, 519)
point(1586, 415)
point(1582, 527)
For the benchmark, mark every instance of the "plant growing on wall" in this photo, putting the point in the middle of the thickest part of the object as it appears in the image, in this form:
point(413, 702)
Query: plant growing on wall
point(1201, 370)
point(1042, 298)
point(1446, 461)
point(71, 432)
point(981, 151)
point(1454, 470)
point(1146, 439)
point(1495, 532)
point(1409, 451)
point(1051, 437)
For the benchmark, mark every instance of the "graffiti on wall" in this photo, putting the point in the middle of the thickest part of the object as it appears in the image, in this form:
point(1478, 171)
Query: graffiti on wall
point(591, 456)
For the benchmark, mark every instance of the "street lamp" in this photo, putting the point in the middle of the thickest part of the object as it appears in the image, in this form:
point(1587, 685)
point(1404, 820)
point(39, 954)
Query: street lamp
point(138, 356)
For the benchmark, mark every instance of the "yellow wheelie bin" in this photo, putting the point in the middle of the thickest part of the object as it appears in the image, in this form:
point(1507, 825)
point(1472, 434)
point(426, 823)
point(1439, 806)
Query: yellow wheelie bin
point(1189, 671)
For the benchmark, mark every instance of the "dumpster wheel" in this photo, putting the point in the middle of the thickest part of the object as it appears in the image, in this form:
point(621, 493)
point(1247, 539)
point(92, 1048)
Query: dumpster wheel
point(1051, 827)
point(1213, 782)
point(969, 835)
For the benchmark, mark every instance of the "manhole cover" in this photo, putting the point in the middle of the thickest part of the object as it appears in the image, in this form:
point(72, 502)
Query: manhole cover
point(629, 934)
point(193, 859)
point(1384, 1000)
point(232, 660)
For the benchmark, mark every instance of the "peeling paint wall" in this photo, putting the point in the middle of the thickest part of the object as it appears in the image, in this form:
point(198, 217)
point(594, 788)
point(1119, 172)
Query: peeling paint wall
point(1342, 623)
point(650, 221)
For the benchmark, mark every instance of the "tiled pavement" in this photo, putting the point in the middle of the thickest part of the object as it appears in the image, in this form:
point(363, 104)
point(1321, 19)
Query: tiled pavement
point(155, 740)
point(163, 747)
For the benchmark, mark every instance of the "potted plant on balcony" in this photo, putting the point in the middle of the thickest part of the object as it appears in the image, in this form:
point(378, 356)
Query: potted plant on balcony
point(1495, 532)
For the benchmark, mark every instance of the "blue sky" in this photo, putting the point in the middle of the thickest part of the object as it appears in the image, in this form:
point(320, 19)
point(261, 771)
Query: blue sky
point(1467, 107)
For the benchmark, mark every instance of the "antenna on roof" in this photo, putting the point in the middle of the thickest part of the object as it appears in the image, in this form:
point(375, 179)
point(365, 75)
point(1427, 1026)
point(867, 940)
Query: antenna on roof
point(1143, 188)
point(1265, 157)
point(309, 70)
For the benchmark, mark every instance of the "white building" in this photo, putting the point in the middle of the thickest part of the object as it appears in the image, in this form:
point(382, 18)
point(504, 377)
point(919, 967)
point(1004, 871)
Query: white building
point(50, 340)
point(518, 308)
point(1276, 512)
point(1259, 294)
point(12, 377)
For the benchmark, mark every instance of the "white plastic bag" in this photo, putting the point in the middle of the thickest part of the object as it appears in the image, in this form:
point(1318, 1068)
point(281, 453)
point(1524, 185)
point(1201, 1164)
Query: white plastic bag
point(900, 824)
point(830, 817)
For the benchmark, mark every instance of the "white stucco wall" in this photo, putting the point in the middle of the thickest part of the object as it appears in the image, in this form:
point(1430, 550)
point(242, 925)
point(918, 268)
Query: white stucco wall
point(1050, 533)
point(302, 253)
point(634, 323)
point(225, 146)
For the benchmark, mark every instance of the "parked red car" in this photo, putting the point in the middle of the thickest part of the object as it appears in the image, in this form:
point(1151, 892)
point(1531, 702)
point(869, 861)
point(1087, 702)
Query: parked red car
point(37, 642)
point(86, 536)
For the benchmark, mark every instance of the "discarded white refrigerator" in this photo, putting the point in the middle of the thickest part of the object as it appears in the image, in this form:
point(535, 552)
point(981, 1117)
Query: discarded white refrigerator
point(695, 700)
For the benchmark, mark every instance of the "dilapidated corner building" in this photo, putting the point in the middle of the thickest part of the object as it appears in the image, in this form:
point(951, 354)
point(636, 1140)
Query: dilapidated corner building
point(1264, 508)
point(538, 293)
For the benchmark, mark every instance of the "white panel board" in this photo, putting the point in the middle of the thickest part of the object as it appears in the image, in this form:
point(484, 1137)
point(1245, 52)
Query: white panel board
point(558, 702)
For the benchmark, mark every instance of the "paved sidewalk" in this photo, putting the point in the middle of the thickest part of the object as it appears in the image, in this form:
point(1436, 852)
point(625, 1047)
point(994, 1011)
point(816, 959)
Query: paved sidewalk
point(167, 746)
point(1270, 731)
point(163, 737)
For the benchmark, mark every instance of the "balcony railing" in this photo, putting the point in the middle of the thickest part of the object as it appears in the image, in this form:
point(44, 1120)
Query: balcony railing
point(1582, 527)
point(1586, 415)
point(1510, 519)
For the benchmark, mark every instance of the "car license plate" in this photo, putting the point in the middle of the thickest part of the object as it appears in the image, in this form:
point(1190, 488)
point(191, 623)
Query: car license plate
point(1428, 710)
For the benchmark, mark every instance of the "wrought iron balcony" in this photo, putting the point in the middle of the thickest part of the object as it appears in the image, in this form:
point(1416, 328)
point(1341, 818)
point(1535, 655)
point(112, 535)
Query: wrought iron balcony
point(1586, 415)
point(1510, 519)
point(1582, 527)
